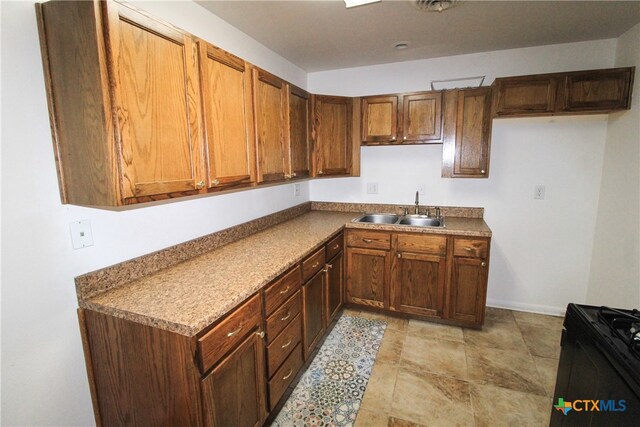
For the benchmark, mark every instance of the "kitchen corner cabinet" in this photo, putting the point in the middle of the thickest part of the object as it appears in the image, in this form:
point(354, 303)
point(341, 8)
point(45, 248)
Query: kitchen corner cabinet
point(228, 118)
point(410, 118)
point(270, 112)
point(299, 134)
point(467, 133)
point(124, 103)
point(433, 276)
point(580, 92)
point(335, 152)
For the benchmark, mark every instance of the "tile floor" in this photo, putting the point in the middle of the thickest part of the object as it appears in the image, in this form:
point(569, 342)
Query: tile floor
point(428, 374)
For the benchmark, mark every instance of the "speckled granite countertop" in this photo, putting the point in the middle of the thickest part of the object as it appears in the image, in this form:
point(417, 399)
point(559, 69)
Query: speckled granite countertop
point(189, 296)
point(475, 227)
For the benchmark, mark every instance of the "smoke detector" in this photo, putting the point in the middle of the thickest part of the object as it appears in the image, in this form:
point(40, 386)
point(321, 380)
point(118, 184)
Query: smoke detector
point(434, 5)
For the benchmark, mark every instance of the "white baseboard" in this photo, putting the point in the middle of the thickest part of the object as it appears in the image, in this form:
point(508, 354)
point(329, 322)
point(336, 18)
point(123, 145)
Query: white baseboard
point(531, 308)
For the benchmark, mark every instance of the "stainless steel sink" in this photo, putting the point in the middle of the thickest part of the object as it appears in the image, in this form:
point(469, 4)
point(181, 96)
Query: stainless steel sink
point(421, 221)
point(410, 220)
point(378, 218)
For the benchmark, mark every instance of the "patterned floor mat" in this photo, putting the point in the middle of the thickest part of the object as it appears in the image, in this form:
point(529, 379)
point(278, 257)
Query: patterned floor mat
point(331, 390)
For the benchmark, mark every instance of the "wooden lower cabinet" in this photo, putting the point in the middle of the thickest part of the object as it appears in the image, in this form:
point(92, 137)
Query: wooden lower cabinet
point(418, 283)
point(468, 289)
point(313, 312)
point(368, 277)
point(432, 276)
point(233, 394)
point(334, 286)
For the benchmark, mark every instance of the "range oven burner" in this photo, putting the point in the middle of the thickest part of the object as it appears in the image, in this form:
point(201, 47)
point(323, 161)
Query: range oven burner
point(623, 324)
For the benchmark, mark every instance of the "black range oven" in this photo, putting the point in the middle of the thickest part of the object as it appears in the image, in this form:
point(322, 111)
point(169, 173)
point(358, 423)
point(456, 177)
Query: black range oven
point(598, 382)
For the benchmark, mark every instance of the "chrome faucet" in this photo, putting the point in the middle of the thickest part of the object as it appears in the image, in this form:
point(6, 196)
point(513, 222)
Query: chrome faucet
point(438, 212)
point(417, 209)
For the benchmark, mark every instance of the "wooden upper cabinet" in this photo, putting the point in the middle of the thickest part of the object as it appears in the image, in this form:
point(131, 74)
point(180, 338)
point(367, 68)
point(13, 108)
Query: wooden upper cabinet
point(410, 118)
point(579, 92)
point(467, 133)
point(333, 151)
point(422, 117)
point(524, 95)
point(269, 101)
point(228, 118)
point(124, 102)
point(380, 119)
point(596, 91)
point(299, 134)
point(157, 103)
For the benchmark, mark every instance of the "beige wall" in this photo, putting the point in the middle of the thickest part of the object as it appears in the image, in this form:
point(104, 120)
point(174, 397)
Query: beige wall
point(615, 266)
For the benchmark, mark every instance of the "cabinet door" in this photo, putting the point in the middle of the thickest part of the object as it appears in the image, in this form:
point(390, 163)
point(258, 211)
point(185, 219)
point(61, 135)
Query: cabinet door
point(226, 89)
point(468, 289)
point(269, 100)
point(422, 117)
point(299, 132)
point(467, 133)
point(525, 96)
point(233, 393)
point(368, 277)
point(335, 279)
point(313, 312)
point(155, 75)
point(594, 91)
point(380, 119)
point(332, 135)
point(418, 284)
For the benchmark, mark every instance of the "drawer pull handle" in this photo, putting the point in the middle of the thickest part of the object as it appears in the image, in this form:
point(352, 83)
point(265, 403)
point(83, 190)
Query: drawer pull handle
point(230, 334)
point(367, 240)
point(336, 247)
point(468, 249)
point(284, 291)
point(287, 344)
point(287, 316)
point(329, 266)
point(288, 374)
point(316, 264)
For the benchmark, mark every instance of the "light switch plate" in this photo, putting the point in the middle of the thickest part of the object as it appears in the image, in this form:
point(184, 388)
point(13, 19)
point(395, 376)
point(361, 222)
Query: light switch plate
point(81, 235)
point(296, 190)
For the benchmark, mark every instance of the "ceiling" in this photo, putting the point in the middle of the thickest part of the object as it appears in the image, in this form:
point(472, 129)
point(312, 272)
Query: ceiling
point(323, 35)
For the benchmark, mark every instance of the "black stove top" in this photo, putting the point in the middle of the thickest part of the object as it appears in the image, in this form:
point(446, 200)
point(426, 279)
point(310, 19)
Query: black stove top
point(619, 331)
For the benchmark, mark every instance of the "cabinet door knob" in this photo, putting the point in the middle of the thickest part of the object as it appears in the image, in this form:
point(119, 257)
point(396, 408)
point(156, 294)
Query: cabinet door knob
point(215, 182)
point(294, 174)
point(399, 255)
point(483, 264)
point(329, 266)
point(260, 334)
point(482, 171)
point(200, 185)
point(286, 175)
point(320, 172)
point(404, 138)
point(393, 138)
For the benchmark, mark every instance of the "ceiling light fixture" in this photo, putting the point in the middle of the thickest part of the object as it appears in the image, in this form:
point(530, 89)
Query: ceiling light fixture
point(354, 3)
point(434, 5)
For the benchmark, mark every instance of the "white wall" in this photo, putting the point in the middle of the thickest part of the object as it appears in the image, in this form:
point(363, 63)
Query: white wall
point(43, 375)
point(541, 249)
point(615, 267)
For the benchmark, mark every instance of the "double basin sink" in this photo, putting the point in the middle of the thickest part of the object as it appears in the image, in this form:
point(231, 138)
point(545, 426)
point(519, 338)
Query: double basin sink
point(392, 219)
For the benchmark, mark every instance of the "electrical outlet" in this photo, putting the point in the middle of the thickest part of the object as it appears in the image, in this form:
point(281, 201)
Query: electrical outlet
point(538, 192)
point(296, 190)
point(81, 235)
point(372, 188)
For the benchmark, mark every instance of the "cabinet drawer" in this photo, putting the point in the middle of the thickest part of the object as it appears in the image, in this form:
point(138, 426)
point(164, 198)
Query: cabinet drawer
point(283, 316)
point(280, 348)
point(471, 248)
point(426, 244)
point(312, 264)
point(335, 246)
point(283, 376)
point(369, 239)
point(280, 290)
point(229, 333)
